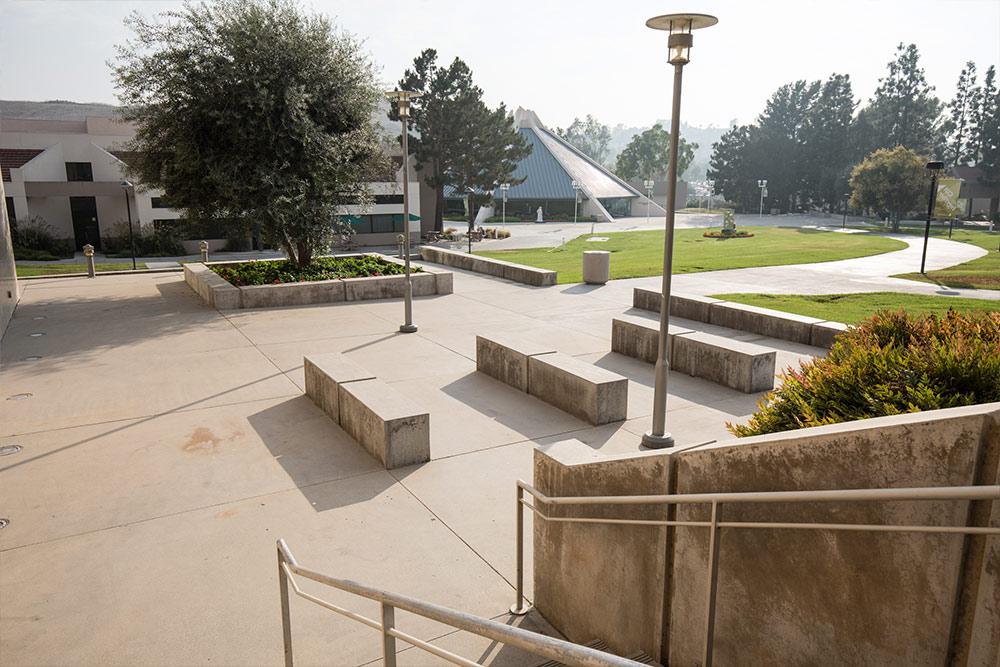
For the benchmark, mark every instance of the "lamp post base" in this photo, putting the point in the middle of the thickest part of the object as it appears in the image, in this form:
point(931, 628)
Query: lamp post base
point(657, 441)
point(407, 328)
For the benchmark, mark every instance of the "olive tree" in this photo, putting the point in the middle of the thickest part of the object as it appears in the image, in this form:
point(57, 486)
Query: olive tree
point(890, 181)
point(252, 111)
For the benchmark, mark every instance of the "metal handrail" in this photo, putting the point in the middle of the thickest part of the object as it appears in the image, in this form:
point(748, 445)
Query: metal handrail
point(547, 647)
point(717, 500)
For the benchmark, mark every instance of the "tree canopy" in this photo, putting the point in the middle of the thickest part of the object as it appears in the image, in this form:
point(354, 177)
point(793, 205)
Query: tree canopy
point(891, 181)
point(252, 110)
point(904, 111)
point(646, 156)
point(460, 141)
point(589, 135)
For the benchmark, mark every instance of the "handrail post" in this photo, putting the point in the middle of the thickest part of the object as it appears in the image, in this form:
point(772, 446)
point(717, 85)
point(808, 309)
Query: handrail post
point(711, 585)
point(519, 608)
point(388, 641)
point(286, 620)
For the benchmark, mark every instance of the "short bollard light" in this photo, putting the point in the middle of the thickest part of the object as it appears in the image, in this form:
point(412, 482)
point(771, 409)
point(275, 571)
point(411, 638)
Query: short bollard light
point(88, 252)
point(203, 246)
point(400, 241)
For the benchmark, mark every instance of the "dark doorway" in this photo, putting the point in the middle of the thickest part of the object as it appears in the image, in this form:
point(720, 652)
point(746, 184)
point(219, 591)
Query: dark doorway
point(85, 227)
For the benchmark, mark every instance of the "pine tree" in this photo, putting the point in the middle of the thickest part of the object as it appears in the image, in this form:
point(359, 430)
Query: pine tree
point(782, 126)
point(734, 166)
point(459, 140)
point(960, 125)
point(988, 136)
point(827, 155)
point(904, 110)
point(982, 107)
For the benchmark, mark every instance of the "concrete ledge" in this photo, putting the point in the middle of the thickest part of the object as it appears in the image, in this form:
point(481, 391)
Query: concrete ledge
point(594, 394)
point(527, 275)
point(443, 280)
point(639, 338)
point(735, 364)
point(505, 358)
point(763, 321)
point(743, 366)
point(291, 294)
point(210, 286)
point(824, 333)
point(386, 423)
point(689, 307)
point(324, 375)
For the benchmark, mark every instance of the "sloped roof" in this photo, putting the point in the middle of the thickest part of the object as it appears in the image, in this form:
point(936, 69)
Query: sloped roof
point(12, 158)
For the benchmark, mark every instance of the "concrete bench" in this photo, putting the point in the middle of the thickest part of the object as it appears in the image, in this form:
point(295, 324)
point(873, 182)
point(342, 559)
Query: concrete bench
point(528, 275)
point(505, 358)
point(593, 394)
point(639, 337)
point(824, 333)
point(743, 366)
point(763, 321)
point(386, 423)
point(324, 375)
point(689, 307)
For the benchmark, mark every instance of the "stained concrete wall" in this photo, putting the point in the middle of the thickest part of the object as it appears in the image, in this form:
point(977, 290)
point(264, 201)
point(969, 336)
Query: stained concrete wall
point(791, 596)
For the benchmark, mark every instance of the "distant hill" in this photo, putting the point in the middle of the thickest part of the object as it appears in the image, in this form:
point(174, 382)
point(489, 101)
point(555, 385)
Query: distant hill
point(55, 109)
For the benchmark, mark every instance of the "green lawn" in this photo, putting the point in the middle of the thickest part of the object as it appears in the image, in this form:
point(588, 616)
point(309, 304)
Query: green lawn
point(52, 269)
point(852, 308)
point(982, 273)
point(638, 254)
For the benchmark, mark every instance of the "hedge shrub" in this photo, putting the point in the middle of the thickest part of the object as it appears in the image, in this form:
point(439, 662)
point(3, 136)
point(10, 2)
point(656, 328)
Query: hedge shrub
point(889, 364)
point(270, 272)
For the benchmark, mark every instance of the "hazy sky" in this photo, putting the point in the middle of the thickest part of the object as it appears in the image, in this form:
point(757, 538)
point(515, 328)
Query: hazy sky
point(564, 58)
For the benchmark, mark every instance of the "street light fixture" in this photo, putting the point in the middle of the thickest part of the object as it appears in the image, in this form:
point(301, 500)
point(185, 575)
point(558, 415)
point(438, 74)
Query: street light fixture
point(649, 195)
point(576, 201)
point(762, 184)
point(402, 98)
point(679, 27)
point(935, 168)
point(504, 187)
point(126, 186)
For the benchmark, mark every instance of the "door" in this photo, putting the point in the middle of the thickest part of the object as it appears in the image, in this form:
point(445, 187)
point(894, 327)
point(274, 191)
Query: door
point(85, 226)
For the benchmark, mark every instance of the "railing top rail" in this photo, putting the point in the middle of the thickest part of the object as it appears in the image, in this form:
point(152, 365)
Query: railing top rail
point(548, 647)
point(984, 492)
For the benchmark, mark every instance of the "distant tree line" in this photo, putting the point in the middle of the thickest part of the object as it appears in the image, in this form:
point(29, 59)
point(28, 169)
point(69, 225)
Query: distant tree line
point(808, 138)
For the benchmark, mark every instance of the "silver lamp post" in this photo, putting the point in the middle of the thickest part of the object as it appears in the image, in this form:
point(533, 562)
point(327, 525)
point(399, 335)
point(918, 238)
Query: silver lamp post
point(679, 27)
point(649, 195)
point(126, 186)
point(576, 200)
point(762, 184)
point(403, 98)
point(504, 187)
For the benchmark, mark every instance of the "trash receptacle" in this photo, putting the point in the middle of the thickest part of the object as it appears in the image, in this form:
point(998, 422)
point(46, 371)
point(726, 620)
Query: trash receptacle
point(596, 266)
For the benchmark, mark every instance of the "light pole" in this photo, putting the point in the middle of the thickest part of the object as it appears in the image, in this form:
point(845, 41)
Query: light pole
point(576, 201)
point(402, 98)
point(504, 187)
point(762, 184)
point(711, 192)
point(680, 27)
point(847, 195)
point(649, 194)
point(935, 168)
point(126, 186)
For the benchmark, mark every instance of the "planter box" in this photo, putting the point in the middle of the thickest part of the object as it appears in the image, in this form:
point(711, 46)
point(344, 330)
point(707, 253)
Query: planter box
point(218, 293)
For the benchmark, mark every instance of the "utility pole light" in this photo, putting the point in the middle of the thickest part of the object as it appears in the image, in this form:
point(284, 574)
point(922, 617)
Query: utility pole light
point(126, 186)
point(762, 184)
point(576, 200)
point(847, 196)
point(679, 27)
point(935, 168)
point(402, 98)
point(649, 195)
point(504, 187)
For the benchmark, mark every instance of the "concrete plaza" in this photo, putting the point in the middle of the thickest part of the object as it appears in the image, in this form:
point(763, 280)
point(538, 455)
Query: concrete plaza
point(166, 446)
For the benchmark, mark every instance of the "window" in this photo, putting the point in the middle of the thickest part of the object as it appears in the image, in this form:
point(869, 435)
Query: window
point(159, 202)
point(9, 201)
point(388, 199)
point(79, 171)
point(384, 223)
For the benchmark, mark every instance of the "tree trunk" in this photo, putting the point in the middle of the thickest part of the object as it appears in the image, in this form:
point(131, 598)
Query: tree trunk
point(439, 208)
point(304, 254)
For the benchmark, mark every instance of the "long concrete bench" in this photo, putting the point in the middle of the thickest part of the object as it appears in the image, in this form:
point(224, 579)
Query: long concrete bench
point(505, 357)
point(385, 422)
point(528, 275)
point(735, 364)
point(584, 390)
point(594, 394)
point(742, 317)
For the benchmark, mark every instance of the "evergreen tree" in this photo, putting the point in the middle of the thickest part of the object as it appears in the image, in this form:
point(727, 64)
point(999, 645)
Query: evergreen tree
point(734, 165)
point(782, 128)
point(960, 125)
point(983, 104)
point(826, 143)
point(647, 155)
point(988, 136)
point(904, 110)
point(890, 181)
point(590, 135)
point(460, 141)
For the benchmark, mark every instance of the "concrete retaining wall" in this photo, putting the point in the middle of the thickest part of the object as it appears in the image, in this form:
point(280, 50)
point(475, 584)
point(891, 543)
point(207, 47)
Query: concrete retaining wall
point(786, 596)
point(763, 321)
point(218, 293)
point(518, 273)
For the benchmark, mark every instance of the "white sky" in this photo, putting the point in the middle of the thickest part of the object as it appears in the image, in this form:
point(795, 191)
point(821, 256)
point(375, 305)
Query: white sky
point(565, 58)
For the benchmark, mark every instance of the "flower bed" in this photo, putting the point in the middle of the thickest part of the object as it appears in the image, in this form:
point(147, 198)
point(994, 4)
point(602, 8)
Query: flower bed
point(276, 272)
point(275, 283)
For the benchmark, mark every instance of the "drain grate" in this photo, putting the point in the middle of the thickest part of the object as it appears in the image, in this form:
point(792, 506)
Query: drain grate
point(7, 450)
point(19, 397)
point(3, 523)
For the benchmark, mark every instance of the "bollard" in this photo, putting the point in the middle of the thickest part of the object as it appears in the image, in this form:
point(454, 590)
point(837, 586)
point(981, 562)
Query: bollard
point(204, 250)
point(88, 252)
point(400, 241)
